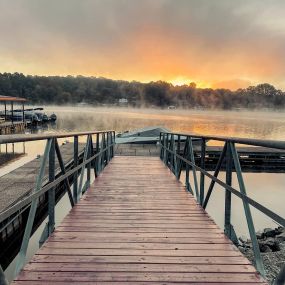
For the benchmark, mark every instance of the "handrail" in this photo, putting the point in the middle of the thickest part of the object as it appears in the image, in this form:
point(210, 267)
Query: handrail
point(170, 154)
point(246, 141)
point(27, 200)
point(95, 156)
point(35, 137)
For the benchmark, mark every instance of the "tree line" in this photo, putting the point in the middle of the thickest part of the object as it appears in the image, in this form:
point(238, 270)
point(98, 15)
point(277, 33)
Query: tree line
point(102, 91)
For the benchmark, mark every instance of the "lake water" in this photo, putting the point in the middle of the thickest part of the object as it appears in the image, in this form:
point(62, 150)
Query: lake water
point(268, 189)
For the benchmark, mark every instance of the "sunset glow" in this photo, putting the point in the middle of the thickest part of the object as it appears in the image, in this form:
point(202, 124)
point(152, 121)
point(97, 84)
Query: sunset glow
point(212, 43)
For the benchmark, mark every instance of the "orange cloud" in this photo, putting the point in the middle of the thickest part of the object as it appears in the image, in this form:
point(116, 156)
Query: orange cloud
point(213, 43)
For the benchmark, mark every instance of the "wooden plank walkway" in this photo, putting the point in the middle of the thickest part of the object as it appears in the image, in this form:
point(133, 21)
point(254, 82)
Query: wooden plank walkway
point(138, 225)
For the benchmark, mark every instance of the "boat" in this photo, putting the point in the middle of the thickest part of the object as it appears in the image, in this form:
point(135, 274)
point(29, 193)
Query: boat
point(148, 135)
point(42, 116)
point(16, 116)
point(52, 117)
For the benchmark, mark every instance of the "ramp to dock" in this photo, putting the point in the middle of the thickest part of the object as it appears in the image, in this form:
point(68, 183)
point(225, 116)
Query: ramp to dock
point(138, 225)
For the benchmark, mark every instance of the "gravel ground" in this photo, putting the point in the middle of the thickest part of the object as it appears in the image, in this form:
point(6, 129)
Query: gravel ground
point(273, 261)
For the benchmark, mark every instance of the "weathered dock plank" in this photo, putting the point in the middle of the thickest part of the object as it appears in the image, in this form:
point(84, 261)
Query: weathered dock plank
point(137, 225)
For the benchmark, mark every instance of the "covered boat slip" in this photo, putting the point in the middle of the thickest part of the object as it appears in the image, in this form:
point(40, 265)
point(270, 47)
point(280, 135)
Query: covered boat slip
point(138, 225)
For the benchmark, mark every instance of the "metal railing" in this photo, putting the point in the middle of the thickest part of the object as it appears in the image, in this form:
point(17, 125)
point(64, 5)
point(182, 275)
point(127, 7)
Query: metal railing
point(176, 157)
point(96, 156)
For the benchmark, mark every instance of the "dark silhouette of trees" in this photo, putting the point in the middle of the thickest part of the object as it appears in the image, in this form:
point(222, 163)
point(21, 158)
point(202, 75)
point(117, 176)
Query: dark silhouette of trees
point(102, 91)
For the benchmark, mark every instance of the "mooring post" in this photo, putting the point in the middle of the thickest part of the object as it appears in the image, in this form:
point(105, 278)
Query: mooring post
point(51, 192)
point(75, 163)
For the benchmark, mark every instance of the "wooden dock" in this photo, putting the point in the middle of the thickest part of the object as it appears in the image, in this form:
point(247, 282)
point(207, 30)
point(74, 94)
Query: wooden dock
point(9, 127)
point(138, 225)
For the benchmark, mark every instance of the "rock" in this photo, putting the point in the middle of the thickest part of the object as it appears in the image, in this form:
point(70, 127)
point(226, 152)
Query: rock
point(272, 243)
point(242, 239)
point(265, 248)
point(268, 232)
point(279, 230)
point(281, 237)
point(259, 235)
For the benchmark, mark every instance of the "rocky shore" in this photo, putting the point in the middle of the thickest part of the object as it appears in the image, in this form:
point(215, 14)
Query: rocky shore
point(272, 247)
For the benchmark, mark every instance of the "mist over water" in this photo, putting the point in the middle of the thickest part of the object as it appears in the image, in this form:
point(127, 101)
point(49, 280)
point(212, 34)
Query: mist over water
point(249, 124)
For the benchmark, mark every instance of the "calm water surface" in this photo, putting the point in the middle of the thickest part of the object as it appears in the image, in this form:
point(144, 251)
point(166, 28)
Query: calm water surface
point(267, 189)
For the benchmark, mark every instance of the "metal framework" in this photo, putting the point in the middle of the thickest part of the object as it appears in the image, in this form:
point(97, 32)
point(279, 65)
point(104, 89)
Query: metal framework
point(96, 156)
point(175, 158)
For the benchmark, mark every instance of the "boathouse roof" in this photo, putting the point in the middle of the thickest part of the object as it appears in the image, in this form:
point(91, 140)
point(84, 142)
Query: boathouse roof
point(4, 98)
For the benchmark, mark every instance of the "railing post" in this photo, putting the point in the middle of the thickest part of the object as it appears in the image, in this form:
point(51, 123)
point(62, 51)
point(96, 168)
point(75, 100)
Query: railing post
point(3, 280)
point(75, 162)
point(97, 158)
point(202, 176)
point(89, 163)
point(51, 192)
point(81, 189)
point(171, 154)
point(192, 159)
point(113, 143)
point(109, 145)
point(216, 173)
point(174, 157)
point(179, 162)
point(62, 167)
point(103, 156)
point(165, 150)
point(187, 155)
point(161, 140)
point(251, 229)
point(228, 194)
point(30, 221)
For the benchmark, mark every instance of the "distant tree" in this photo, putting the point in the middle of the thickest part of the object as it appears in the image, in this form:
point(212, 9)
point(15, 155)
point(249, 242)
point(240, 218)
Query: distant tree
point(92, 90)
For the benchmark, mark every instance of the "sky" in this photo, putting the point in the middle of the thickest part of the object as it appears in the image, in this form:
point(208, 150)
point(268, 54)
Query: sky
point(215, 43)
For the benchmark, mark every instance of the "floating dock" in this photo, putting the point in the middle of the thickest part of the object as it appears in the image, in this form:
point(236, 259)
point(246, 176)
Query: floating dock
point(252, 159)
point(141, 227)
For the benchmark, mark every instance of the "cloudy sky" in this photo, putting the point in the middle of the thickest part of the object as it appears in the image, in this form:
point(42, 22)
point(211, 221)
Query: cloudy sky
point(228, 43)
